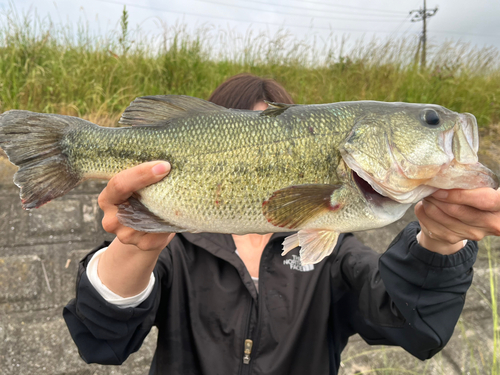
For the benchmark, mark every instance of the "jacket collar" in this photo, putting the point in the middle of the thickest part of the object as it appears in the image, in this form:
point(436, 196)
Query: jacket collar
point(223, 247)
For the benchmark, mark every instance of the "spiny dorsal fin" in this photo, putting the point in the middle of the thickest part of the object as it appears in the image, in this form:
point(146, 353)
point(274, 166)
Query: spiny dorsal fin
point(275, 109)
point(294, 206)
point(160, 109)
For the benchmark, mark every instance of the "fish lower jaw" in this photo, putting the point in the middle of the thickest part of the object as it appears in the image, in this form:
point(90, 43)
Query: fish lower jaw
point(412, 196)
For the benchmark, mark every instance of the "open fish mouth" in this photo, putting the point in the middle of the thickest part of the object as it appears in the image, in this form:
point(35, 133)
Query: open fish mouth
point(370, 194)
point(384, 208)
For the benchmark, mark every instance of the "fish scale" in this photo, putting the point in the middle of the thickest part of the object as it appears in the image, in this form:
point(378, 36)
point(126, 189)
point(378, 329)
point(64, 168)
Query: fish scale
point(317, 170)
point(204, 161)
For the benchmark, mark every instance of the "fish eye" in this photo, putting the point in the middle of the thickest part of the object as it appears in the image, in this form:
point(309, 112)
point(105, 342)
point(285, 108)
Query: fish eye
point(431, 117)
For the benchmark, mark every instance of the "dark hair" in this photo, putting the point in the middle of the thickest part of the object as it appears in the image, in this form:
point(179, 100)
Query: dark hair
point(243, 91)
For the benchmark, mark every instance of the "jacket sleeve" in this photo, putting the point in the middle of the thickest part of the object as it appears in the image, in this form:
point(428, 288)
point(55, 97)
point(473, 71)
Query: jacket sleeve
point(103, 332)
point(409, 296)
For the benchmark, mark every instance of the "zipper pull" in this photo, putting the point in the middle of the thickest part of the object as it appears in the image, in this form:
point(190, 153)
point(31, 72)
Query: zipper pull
point(248, 351)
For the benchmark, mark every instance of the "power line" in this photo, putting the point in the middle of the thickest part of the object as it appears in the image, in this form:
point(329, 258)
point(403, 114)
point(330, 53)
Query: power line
point(303, 8)
point(295, 14)
point(352, 7)
point(187, 13)
point(233, 19)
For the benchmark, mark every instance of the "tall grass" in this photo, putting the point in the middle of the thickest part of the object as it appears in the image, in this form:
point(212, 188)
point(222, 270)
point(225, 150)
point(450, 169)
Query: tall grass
point(63, 68)
point(492, 262)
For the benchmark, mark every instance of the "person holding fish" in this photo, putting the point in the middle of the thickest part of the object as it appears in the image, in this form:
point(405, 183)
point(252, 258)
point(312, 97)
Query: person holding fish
point(275, 283)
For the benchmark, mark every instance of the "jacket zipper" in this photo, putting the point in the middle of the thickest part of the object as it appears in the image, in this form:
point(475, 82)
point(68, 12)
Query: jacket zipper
point(247, 349)
point(248, 342)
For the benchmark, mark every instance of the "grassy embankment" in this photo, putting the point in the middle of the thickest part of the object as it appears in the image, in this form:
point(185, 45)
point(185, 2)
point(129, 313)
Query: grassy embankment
point(50, 68)
point(59, 68)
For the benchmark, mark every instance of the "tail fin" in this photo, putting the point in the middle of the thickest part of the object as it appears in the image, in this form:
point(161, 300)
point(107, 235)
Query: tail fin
point(34, 143)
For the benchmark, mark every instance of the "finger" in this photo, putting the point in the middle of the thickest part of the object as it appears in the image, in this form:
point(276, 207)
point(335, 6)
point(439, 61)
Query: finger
point(466, 214)
point(488, 222)
point(125, 183)
point(450, 227)
point(486, 199)
point(435, 230)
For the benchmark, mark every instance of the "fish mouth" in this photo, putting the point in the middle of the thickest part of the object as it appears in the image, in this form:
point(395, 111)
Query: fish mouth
point(385, 210)
point(370, 194)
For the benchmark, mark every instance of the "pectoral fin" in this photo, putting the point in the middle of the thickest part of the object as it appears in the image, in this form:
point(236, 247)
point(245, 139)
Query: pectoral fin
point(137, 216)
point(315, 244)
point(294, 206)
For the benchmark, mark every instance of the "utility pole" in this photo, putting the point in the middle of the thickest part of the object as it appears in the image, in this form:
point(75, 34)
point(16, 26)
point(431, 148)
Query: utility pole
point(422, 15)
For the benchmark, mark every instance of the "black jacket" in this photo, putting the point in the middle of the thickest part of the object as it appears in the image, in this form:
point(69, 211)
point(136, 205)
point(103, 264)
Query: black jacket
point(205, 306)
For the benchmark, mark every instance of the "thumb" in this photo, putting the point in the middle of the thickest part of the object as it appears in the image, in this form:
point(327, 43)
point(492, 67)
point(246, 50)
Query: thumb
point(161, 169)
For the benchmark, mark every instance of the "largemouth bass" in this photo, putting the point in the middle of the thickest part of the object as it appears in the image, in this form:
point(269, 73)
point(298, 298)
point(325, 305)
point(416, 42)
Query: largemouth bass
point(318, 170)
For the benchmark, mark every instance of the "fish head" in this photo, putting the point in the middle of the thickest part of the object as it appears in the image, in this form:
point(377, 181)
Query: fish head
point(407, 151)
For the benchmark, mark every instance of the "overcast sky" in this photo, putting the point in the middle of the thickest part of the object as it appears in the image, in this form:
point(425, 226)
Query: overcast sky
point(477, 22)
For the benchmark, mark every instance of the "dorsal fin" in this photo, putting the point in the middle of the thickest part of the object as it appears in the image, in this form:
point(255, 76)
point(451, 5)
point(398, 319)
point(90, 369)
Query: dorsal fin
point(275, 109)
point(160, 109)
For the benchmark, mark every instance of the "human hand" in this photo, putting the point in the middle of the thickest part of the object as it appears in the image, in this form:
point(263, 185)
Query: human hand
point(448, 217)
point(118, 190)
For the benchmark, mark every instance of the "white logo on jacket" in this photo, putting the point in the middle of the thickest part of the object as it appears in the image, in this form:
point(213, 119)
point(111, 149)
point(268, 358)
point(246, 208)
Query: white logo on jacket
point(296, 265)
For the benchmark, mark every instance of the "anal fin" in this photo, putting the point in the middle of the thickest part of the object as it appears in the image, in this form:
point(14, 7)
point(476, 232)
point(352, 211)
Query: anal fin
point(315, 244)
point(137, 216)
point(290, 243)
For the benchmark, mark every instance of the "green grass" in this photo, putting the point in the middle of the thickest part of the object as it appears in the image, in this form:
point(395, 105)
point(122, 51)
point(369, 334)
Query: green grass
point(49, 67)
point(492, 262)
point(67, 69)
